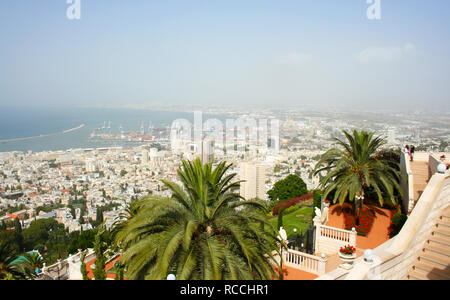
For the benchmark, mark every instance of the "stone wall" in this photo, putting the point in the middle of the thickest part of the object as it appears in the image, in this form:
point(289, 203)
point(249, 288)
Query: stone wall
point(406, 183)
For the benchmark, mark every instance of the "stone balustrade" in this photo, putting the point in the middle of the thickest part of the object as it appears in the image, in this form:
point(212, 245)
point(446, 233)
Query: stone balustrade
point(329, 240)
point(305, 262)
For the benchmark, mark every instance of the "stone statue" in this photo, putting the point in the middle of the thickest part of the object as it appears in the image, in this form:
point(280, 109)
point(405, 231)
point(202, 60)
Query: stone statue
point(318, 212)
point(283, 234)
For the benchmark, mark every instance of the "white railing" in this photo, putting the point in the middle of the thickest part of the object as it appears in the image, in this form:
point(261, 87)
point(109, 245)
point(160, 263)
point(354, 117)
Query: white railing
point(330, 239)
point(62, 266)
point(305, 262)
point(338, 234)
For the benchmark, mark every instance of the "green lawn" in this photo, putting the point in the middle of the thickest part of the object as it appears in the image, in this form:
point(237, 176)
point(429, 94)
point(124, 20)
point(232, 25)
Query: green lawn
point(299, 219)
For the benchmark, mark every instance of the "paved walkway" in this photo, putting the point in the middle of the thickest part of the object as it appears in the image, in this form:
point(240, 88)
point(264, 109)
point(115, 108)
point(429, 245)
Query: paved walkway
point(295, 274)
point(421, 176)
point(333, 261)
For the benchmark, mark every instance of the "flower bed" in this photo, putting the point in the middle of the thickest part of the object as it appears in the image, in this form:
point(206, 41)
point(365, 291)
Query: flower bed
point(366, 219)
point(347, 250)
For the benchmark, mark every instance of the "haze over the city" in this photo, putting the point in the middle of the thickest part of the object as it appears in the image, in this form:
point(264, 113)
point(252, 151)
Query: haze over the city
point(253, 52)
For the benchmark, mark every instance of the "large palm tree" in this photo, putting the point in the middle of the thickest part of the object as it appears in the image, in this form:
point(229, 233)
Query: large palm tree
point(204, 231)
point(355, 166)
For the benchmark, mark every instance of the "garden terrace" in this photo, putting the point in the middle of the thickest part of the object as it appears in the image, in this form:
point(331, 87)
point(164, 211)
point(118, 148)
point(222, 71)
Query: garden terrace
point(379, 232)
point(401, 256)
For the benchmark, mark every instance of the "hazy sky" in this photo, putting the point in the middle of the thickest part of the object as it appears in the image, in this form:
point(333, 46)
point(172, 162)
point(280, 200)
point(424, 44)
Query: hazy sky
point(213, 52)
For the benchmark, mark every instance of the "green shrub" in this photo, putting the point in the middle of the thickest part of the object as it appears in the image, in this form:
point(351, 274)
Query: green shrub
point(290, 209)
point(397, 221)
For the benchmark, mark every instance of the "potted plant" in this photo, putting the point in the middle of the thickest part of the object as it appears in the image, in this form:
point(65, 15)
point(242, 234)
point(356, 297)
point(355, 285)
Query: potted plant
point(347, 255)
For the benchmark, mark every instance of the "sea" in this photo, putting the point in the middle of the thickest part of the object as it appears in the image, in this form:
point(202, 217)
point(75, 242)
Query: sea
point(19, 122)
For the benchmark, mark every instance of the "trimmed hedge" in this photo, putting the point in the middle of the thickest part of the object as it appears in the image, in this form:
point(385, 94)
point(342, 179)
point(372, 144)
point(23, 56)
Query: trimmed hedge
point(286, 204)
point(397, 221)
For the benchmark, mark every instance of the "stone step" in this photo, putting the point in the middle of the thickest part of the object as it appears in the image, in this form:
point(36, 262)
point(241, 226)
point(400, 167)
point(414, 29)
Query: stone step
point(445, 218)
point(442, 232)
point(438, 241)
point(427, 269)
point(443, 223)
point(420, 175)
point(413, 275)
point(435, 259)
point(428, 266)
point(438, 251)
point(421, 172)
point(420, 168)
point(420, 181)
point(418, 275)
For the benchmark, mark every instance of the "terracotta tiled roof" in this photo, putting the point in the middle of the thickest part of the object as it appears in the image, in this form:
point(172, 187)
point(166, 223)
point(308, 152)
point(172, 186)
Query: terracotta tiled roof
point(13, 216)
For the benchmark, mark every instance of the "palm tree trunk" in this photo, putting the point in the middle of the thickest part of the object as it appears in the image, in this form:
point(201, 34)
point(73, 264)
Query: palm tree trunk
point(359, 207)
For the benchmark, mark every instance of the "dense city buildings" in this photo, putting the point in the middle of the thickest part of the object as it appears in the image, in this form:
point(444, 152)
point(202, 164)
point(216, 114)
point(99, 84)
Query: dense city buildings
point(115, 175)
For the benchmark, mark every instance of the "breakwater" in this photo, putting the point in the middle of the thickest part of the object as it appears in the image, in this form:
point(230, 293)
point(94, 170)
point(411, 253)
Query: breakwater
point(42, 135)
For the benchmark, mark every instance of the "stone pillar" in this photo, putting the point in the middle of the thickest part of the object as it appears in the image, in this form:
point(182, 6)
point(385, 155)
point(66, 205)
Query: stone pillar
point(322, 264)
point(317, 225)
point(353, 235)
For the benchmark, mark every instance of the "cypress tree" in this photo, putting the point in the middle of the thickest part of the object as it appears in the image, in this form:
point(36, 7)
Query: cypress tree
point(17, 225)
point(83, 266)
point(99, 216)
point(100, 248)
point(280, 219)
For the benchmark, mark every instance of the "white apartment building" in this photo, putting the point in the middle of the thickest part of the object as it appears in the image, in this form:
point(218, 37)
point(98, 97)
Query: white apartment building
point(145, 157)
point(254, 176)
